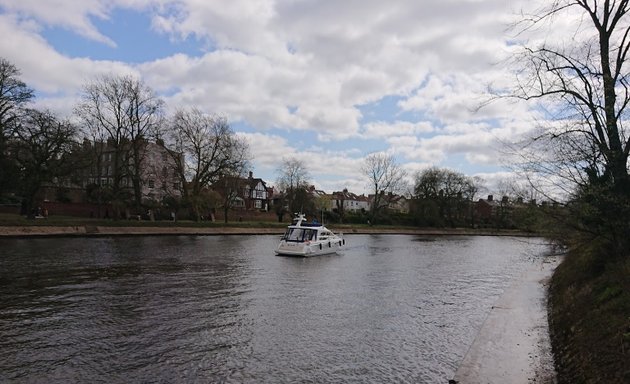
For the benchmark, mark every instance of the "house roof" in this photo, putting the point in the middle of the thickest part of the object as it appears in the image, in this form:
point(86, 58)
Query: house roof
point(252, 182)
point(345, 195)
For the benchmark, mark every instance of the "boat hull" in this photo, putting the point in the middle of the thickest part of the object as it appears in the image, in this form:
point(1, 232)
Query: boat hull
point(308, 250)
point(305, 240)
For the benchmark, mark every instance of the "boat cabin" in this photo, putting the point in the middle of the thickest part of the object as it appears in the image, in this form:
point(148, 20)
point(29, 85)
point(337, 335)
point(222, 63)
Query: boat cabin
point(303, 234)
point(300, 235)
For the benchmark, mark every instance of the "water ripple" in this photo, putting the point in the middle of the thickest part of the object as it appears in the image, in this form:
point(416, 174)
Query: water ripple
point(224, 309)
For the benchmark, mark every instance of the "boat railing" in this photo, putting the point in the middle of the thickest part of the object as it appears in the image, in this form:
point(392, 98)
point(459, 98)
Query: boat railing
point(310, 225)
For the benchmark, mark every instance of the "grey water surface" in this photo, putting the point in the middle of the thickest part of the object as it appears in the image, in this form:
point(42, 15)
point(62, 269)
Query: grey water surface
point(168, 309)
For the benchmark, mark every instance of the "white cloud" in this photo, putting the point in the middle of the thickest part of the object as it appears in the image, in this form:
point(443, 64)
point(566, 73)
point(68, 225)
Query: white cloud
point(381, 129)
point(330, 170)
point(48, 71)
point(305, 66)
point(72, 15)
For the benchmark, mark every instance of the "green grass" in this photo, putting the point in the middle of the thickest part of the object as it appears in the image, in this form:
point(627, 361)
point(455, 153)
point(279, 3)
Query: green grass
point(56, 220)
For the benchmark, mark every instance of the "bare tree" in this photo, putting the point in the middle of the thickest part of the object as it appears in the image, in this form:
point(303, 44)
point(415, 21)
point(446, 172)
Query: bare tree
point(293, 177)
point(126, 113)
point(588, 81)
point(586, 85)
point(384, 175)
point(208, 150)
point(232, 188)
point(14, 95)
point(145, 116)
point(41, 149)
point(95, 148)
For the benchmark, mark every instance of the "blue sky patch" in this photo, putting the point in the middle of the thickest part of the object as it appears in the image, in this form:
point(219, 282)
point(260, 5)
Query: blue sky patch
point(136, 41)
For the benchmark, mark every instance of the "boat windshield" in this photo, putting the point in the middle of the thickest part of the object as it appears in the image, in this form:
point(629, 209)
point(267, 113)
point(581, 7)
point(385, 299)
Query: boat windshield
point(300, 235)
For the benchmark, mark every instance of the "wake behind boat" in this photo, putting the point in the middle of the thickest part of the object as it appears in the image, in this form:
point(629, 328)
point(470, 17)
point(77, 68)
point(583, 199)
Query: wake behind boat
point(304, 239)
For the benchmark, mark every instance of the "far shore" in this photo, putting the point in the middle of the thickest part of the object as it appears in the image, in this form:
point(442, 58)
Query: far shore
point(261, 229)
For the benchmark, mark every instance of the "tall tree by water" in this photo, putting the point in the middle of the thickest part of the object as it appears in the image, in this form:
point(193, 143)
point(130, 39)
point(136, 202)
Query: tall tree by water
point(445, 197)
point(232, 191)
point(41, 149)
point(583, 79)
point(384, 175)
point(208, 150)
point(293, 180)
point(14, 95)
point(125, 112)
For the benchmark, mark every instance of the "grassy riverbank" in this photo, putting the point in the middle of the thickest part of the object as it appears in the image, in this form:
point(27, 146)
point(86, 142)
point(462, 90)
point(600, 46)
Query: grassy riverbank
point(590, 319)
point(15, 225)
point(55, 220)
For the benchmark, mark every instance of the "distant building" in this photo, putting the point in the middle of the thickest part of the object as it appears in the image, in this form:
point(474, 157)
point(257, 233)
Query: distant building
point(487, 208)
point(159, 175)
point(96, 163)
point(392, 202)
point(397, 203)
point(158, 171)
point(491, 211)
point(251, 193)
point(322, 200)
point(344, 201)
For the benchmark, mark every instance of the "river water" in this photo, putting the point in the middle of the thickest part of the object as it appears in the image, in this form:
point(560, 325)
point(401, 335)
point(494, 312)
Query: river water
point(389, 308)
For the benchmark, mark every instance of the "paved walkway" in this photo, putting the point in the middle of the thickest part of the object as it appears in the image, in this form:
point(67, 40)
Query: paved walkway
point(513, 344)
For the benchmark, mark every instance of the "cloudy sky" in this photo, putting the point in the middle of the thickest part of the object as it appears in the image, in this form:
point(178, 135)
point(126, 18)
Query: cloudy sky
point(326, 81)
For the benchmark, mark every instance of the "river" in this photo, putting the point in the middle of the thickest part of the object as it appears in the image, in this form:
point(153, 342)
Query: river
point(388, 308)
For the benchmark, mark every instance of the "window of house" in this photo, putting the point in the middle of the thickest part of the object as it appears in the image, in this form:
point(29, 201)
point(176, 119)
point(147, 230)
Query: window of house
point(151, 183)
point(258, 204)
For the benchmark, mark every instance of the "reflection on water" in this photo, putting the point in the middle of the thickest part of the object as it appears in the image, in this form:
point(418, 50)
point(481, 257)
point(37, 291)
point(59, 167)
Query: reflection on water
point(207, 309)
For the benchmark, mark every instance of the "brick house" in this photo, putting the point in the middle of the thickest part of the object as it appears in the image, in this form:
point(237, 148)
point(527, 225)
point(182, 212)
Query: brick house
point(251, 193)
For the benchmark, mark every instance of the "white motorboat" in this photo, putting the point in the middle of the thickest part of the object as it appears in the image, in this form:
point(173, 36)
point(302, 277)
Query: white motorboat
point(308, 239)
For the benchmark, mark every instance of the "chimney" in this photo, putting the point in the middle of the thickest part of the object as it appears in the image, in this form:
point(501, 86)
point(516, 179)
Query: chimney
point(490, 197)
point(251, 174)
